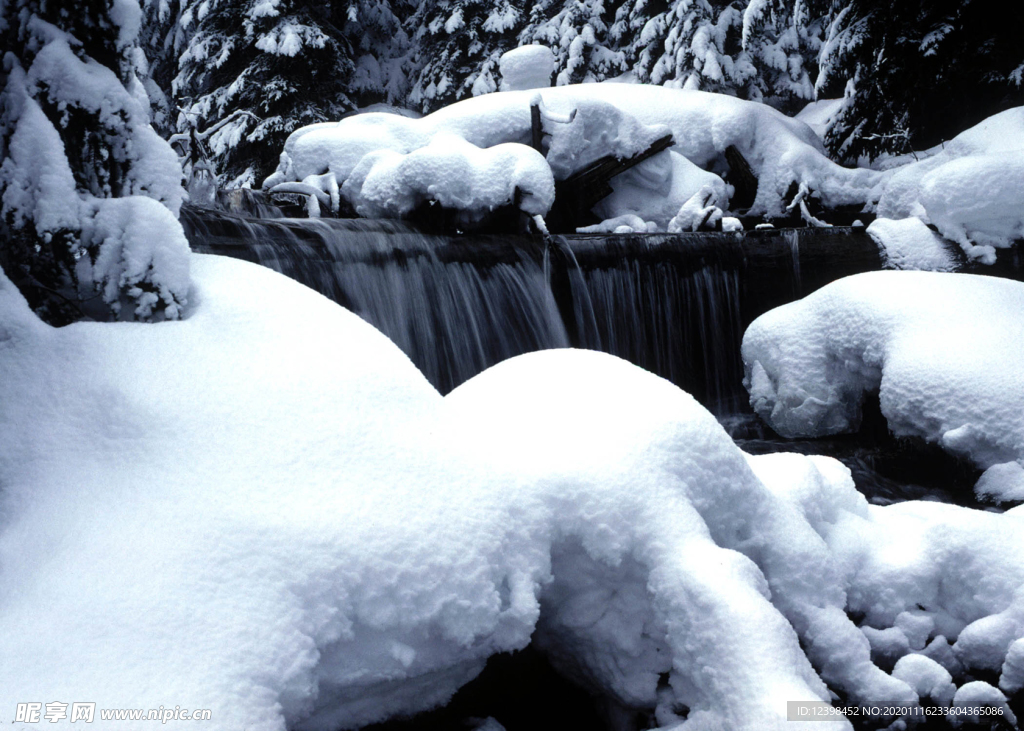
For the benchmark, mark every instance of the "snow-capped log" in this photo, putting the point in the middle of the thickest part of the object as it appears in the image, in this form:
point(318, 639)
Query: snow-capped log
point(90, 193)
point(386, 541)
point(944, 351)
point(619, 120)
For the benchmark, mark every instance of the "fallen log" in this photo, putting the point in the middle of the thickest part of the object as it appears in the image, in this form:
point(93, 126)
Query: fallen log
point(581, 191)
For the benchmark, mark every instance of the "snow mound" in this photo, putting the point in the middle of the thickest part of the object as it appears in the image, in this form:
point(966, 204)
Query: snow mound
point(456, 174)
point(348, 546)
point(356, 546)
point(945, 352)
point(526, 67)
point(818, 115)
point(969, 190)
point(909, 244)
point(582, 123)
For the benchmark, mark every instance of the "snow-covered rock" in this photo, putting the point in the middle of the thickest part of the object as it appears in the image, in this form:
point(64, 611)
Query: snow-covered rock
point(585, 122)
point(945, 352)
point(970, 189)
point(526, 67)
point(456, 174)
point(908, 243)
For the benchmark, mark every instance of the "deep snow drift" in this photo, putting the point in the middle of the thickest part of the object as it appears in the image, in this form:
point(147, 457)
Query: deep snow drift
point(266, 511)
point(944, 351)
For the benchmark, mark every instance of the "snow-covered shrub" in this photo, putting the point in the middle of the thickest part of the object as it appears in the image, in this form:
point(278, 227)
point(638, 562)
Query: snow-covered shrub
point(944, 351)
point(585, 122)
point(77, 145)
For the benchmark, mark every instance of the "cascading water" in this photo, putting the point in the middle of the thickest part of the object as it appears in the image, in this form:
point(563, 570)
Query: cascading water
point(454, 309)
point(675, 304)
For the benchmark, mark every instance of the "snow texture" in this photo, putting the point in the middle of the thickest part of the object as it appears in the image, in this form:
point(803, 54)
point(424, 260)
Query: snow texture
point(944, 351)
point(909, 244)
point(527, 67)
point(130, 248)
point(970, 190)
point(587, 121)
point(363, 556)
point(818, 115)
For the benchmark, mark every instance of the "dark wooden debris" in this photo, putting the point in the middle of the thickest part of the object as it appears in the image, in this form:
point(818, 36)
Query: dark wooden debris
point(581, 191)
point(741, 178)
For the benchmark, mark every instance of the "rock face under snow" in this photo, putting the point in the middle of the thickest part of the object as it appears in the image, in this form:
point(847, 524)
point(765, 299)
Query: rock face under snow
point(944, 351)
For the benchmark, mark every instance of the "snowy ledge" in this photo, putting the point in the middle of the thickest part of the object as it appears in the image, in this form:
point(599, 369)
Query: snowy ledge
point(301, 533)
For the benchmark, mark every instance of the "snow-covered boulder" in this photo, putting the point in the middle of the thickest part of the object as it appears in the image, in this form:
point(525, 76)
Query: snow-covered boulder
point(944, 351)
point(585, 122)
point(456, 174)
point(970, 188)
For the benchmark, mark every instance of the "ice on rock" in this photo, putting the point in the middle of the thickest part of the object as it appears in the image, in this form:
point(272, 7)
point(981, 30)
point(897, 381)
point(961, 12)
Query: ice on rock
point(944, 351)
point(526, 67)
point(584, 122)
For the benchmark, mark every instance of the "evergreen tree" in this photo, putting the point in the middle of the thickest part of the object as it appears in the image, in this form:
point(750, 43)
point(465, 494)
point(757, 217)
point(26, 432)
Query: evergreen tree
point(458, 44)
point(90, 193)
point(577, 32)
point(253, 71)
point(917, 72)
point(756, 51)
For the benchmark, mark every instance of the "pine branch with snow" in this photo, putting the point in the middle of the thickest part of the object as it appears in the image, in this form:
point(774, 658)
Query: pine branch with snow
point(90, 193)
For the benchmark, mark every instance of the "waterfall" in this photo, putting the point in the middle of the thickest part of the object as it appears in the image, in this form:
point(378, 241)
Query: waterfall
point(675, 304)
point(455, 308)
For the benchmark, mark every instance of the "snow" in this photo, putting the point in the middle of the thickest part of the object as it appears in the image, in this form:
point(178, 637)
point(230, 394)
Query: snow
point(348, 546)
point(584, 122)
point(945, 352)
point(130, 248)
point(456, 174)
point(970, 189)
point(526, 67)
point(909, 244)
point(818, 114)
point(926, 677)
